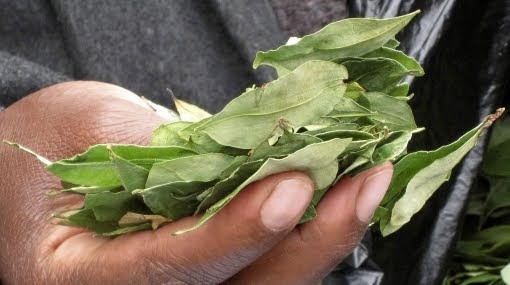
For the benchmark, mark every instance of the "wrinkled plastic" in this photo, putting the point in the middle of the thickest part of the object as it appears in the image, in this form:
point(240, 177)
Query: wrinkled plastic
point(464, 48)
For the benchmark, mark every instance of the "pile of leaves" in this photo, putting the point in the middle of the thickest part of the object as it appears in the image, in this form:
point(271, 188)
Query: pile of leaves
point(482, 255)
point(339, 106)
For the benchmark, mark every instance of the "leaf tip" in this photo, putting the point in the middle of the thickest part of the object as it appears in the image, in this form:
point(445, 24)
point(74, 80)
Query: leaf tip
point(490, 119)
point(177, 233)
point(41, 158)
point(258, 59)
point(54, 193)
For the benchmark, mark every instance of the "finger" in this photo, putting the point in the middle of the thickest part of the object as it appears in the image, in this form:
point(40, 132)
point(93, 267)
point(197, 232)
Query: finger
point(312, 250)
point(252, 223)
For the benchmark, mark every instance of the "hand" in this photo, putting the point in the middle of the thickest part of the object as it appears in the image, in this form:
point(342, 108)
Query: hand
point(253, 240)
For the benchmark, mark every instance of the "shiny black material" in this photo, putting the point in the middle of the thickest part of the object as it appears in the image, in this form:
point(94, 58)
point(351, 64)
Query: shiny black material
point(464, 48)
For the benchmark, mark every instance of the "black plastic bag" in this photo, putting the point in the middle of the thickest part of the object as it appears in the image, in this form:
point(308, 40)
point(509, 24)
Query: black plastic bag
point(464, 47)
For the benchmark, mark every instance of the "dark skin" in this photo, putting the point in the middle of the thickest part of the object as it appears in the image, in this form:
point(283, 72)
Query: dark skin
point(248, 242)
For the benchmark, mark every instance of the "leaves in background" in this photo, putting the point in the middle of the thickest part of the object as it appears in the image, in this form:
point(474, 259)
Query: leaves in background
point(498, 198)
point(497, 157)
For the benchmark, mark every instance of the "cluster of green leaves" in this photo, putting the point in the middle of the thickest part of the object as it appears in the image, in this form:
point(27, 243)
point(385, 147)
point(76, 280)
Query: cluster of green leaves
point(338, 107)
point(483, 254)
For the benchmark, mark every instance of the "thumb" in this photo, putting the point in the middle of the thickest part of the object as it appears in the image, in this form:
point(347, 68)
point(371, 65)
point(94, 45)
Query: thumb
point(56, 122)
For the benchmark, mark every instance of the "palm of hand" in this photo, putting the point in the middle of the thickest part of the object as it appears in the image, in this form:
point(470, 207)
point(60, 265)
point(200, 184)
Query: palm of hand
point(253, 240)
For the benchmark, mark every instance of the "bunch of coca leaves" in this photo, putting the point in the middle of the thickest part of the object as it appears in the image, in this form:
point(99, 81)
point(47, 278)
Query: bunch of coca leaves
point(338, 107)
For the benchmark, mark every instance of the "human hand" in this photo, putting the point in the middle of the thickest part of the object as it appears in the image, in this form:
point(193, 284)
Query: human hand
point(253, 240)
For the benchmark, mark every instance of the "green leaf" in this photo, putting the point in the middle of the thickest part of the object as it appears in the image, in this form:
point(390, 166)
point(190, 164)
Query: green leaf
point(345, 38)
point(410, 64)
point(94, 167)
point(379, 213)
point(176, 199)
point(360, 159)
point(499, 195)
point(347, 108)
point(168, 134)
point(227, 185)
point(481, 279)
point(493, 241)
point(392, 43)
point(421, 173)
point(390, 112)
point(236, 163)
point(321, 122)
point(189, 112)
point(85, 218)
point(146, 156)
point(287, 144)
point(392, 147)
point(358, 147)
point(202, 167)
point(354, 91)
point(110, 207)
point(309, 214)
point(354, 135)
point(375, 74)
point(203, 143)
point(131, 175)
point(330, 128)
point(473, 251)
point(400, 91)
point(126, 230)
point(501, 213)
point(85, 190)
point(296, 97)
point(317, 160)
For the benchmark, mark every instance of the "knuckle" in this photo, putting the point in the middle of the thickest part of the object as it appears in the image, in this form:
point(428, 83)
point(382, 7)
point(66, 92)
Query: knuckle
point(87, 112)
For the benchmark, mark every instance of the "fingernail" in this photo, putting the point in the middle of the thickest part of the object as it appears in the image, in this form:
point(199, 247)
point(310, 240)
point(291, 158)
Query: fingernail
point(286, 204)
point(371, 194)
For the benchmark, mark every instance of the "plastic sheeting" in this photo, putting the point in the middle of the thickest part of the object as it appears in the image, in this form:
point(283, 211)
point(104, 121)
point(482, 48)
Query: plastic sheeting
point(464, 48)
